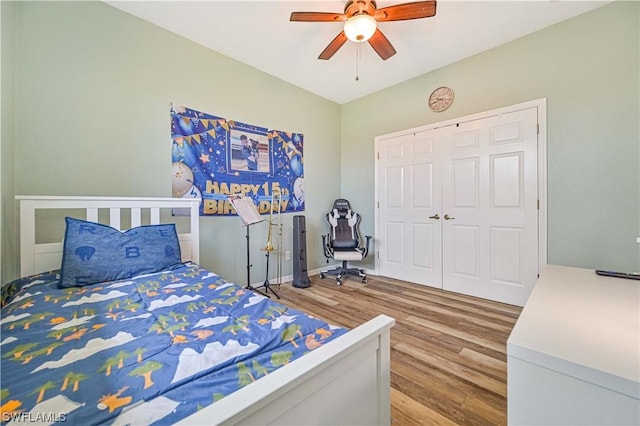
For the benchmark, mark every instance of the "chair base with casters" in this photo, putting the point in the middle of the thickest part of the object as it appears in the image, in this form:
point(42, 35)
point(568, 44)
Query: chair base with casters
point(343, 270)
point(345, 256)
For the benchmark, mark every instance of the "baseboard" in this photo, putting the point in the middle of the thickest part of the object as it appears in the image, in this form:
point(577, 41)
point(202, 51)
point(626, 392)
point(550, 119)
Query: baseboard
point(289, 278)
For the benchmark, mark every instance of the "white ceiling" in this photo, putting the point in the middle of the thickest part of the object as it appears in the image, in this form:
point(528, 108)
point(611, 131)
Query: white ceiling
point(259, 34)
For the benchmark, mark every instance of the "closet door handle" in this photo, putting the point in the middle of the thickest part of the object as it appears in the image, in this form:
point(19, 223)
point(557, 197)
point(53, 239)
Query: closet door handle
point(435, 216)
point(447, 217)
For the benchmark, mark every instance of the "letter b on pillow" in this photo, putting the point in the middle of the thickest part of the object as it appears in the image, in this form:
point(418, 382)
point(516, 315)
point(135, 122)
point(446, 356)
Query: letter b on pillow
point(94, 252)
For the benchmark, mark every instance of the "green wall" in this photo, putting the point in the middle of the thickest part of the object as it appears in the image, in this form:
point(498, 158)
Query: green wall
point(588, 69)
point(93, 87)
point(8, 224)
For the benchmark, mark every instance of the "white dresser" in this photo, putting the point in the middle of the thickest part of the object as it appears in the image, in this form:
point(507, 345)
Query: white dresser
point(573, 356)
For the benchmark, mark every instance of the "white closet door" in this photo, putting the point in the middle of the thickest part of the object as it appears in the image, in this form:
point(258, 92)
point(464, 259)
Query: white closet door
point(489, 207)
point(410, 197)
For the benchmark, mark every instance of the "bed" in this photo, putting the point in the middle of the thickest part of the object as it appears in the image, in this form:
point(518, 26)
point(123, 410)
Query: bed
point(174, 345)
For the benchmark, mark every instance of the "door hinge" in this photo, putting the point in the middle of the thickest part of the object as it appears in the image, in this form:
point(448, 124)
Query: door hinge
point(378, 254)
point(537, 129)
point(538, 204)
point(378, 202)
point(378, 154)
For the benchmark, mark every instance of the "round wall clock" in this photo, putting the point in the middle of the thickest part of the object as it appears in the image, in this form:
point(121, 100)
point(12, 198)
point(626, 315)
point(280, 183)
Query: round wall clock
point(441, 99)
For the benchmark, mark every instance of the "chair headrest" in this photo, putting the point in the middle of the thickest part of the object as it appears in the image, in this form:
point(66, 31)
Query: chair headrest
point(341, 205)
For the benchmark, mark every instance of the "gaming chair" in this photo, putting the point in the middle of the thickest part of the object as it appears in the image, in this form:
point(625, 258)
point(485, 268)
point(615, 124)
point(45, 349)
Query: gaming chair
point(343, 241)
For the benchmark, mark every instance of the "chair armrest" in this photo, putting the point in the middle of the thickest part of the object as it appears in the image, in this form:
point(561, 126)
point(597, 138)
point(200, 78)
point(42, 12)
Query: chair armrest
point(325, 247)
point(366, 246)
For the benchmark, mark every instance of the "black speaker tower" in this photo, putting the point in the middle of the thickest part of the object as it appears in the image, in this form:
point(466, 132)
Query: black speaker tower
point(300, 276)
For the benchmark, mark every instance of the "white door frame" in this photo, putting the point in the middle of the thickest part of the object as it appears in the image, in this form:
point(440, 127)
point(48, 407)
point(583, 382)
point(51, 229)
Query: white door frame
point(541, 105)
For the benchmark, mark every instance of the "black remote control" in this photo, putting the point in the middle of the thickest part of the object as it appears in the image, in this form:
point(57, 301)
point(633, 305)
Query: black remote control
point(628, 275)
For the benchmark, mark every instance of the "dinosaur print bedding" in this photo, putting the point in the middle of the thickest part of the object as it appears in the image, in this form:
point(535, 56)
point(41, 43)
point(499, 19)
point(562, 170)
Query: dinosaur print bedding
point(152, 349)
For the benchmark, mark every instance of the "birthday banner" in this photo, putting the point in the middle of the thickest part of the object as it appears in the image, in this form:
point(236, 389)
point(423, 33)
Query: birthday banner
point(213, 157)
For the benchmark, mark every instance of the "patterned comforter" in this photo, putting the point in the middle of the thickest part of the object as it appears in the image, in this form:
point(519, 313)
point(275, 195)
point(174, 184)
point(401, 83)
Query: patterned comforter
point(151, 349)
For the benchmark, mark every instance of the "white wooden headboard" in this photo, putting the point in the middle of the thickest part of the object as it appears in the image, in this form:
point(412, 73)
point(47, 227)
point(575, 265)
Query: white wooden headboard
point(40, 257)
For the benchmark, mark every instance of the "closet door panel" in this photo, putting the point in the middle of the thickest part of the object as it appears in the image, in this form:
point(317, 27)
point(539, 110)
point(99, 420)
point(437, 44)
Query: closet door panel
point(507, 180)
point(394, 237)
point(422, 198)
point(465, 250)
point(507, 250)
point(490, 187)
point(394, 179)
point(465, 183)
point(410, 192)
point(422, 243)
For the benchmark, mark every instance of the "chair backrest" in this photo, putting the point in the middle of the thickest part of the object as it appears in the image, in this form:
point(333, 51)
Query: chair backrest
point(344, 226)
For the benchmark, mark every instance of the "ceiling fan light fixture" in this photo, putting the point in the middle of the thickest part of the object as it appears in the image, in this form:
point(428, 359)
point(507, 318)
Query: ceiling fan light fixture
point(360, 27)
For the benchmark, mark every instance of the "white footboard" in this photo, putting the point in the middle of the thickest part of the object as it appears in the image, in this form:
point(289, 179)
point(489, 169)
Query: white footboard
point(345, 382)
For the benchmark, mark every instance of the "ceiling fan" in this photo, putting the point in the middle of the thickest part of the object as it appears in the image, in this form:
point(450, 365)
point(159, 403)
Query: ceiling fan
point(361, 19)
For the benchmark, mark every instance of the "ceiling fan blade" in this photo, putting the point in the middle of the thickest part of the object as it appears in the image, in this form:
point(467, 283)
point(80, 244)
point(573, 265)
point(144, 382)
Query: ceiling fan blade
point(381, 45)
point(317, 17)
point(402, 12)
point(333, 47)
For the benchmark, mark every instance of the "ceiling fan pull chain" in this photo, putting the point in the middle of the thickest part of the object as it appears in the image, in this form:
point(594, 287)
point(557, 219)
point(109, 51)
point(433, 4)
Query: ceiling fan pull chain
point(358, 61)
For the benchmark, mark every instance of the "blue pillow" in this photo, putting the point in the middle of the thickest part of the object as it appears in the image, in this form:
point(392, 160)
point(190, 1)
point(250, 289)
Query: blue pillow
point(94, 252)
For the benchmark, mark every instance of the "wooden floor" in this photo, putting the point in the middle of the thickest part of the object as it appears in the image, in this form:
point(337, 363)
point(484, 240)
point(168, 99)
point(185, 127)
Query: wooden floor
point(448, 351)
